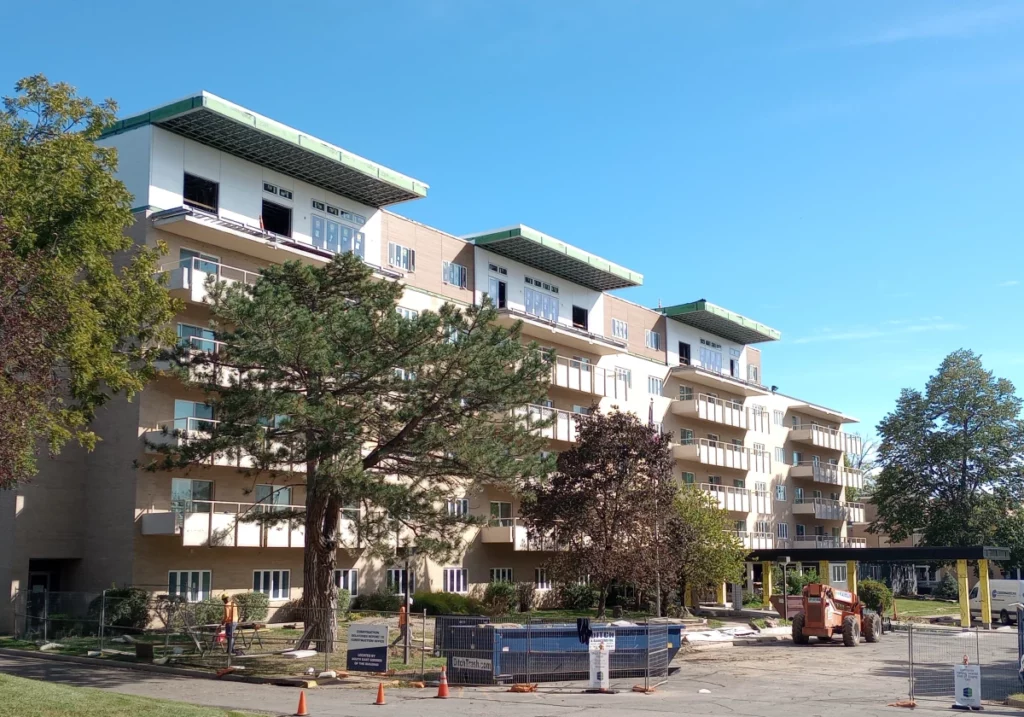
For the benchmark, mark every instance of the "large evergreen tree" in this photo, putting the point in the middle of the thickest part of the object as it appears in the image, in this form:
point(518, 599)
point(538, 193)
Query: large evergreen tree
point(371, 409)
point(951, 458)
point(604, 504)
point(82, 311)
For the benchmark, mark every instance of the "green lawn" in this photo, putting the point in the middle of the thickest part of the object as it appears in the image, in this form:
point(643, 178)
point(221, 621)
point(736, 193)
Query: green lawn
point(30, 698)
point(925, 608)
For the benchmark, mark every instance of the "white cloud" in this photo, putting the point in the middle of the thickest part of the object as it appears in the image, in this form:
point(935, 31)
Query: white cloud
point(892, 327)
point(1011, 282)
point(962, 23)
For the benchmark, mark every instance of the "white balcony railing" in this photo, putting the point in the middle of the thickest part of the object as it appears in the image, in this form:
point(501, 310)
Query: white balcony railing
point(187, 278)
point(818, 436)
point(511, 531)
point(828, 541)
point(829, 473)
point(712, 409)
point(755, 541)
point(179, 432)
point(587, 378)
point(561, 424)
point(731, 498)
point(724, 455)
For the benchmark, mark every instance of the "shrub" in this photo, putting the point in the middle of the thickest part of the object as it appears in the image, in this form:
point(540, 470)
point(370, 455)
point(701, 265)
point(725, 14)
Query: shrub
point(752, 599)
point(501, 598)
point(124, 607)
point(875, 595)
point(441, 603)
point(577, 596)
point(381, 601)
point(209, 611)
point(344, 602)
point(526, 594)
point(947, 588)
point(291, 611)
point(252, 606)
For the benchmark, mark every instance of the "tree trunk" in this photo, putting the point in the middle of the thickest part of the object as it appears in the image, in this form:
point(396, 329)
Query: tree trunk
point(602, 601)
point(319, 594)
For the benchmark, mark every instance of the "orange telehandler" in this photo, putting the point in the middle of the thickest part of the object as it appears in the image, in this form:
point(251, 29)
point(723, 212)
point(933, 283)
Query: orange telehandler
point(828, 612)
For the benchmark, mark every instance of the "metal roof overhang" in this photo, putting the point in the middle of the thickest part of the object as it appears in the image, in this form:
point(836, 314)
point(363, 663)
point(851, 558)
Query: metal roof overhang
point(712, 379)
point(937, 554)
point(721, 322)
point(220, 124)
point(533, 248)
point(827, 413)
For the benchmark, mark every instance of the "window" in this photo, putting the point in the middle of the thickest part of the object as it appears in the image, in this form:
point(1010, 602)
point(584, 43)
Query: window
point(780, 455)
point(654, 385)
point(197, 338)
point(273, 496)
point(684, 353)
point(498, 291)
point(652, 340)
point(798, 495)
point(542, 284)
point(497, 269)
point(801, 530)
point(191, 496)
point(276, 219)
point(193, 585)
point(734, 368)
point(272, 583)
point(779, 418)
point(762, 526)
point(739, 483)
point(402, 257)
point(759, 448)
point(760, 487)
point(685, 436)
point(396, 581)
point(753, 374)
point(710, 359)
point(200, 193)
point(619, 329)
point(405, 374)
point(455, 580)
point(689, 478)
point(798, 458)
point(541, 580)
point(501, 514)
point(194, 260)
point(838, 573)
point(405, 313)
point(347, 580)
point(715, 480)
point(269, 188)
point(580, 318)
point(192, 416)
point(537, 303)
point(585, 410)
point(284, 193)
point(713, 437)
point(780, 492)
point(685, 393)
point(625, 375)
point(458, 508)
point(455, 274)
point(796, 421)
point(501, 575)
point(782, 531)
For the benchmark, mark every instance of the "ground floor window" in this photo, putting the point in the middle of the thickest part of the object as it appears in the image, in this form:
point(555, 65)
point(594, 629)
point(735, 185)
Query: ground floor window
point(501, 575)
point(455, 580)
point(839, 573)
point(397, 581)
point(347, 580)
point(275, 584)
point(541, 579)
point(193, 585)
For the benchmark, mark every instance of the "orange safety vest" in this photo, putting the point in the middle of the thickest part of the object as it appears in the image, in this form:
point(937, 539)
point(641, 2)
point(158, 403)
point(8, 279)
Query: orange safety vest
point(230, 612)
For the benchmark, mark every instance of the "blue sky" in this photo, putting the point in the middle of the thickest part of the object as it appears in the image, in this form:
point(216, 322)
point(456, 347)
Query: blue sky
point(850, 174)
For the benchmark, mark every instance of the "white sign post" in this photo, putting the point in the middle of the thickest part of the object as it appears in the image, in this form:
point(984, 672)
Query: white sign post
point(967, 683)
point(598, 667)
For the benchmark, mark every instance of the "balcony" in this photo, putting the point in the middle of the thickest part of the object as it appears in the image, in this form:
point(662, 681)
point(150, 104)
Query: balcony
point(828, 473)
point(208, 369)
point(827, 509)
point(729, 498)
point(222, 524)
point(712, 409)
point(819, 436)
point(510, 531)
point(723, 455)
point(714, 377)
point(179, 432)
point(755, 541)
point(561, 425)
point(187, 279)
point(587, 378)
point(827, 541)
point(561, 334)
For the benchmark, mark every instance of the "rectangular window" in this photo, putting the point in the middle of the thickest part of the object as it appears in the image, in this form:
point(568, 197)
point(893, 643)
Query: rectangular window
point(396, 581)
point(347, 580)
point(580, 318)
point(405, 313)
point(200, 193)
point(652, 339)
point(196, 338)
point(284, 193)
point(497, 269)
point(797, 458)
point(710, 359)
point(191, 496)
point(759, 448)
point(715, 480)
point(273, 496)
point(193, 585)
point(541, 579)
point(455, 580)
point(316, 231)
point(780, 455)
point(537, 303)
point(801, 530)
point(654, 385)
point(272, 583)
point(402, 257)
point(779, 418)
point(276, 219)
point(625, 375)
point(684, 353)
point(619, 329)
point(760, 487)
point(838, 573)
point(739, 483)
point(501, 575)
point(685, 393)
point(686, 436)
point(689, 478)
point(501, 514)
point(763, 526)
point(458, 508)
point(753, 374)
point(780, 492)
point(782, 531)
point(192, 416)
point(454, 274)
point(498, 291)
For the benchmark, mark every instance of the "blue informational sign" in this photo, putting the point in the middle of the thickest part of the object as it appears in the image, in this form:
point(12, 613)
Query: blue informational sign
point(367, 648)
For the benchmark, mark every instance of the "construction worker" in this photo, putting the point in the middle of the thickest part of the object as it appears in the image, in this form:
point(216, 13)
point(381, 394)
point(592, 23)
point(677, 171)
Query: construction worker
point(230, 621)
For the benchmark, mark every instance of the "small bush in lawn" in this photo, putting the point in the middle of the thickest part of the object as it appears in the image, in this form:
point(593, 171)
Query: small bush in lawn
point(947, 588)
point(252, 606)
point(440, 603)
point(875, 595)
point(381, 601)
point(577, 596)
point(124, 607)
point(501, 598)
point(209, 611)
point(344, 602)
point(526, 593)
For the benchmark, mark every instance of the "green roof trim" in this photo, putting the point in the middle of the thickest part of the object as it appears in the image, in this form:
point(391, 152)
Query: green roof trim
point(721, 322)
point(536, 249)
point(223, 125)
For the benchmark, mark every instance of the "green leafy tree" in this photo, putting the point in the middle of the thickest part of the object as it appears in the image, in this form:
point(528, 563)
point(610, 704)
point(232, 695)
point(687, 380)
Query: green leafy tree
point(698, 548)
point(952, 457)
point(604, 503)
point(380, 416)
point(82, 314)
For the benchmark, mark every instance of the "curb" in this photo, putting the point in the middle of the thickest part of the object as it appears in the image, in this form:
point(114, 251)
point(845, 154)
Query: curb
point(161, 669)
point(762, 640)
point(1010, 702)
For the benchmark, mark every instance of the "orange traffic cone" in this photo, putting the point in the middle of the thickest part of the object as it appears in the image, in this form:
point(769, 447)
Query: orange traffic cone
point(302, 712)
point(442, 687)
point(380, 695)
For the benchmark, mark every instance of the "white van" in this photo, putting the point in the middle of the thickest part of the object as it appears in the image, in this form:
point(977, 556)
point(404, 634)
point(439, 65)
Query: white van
point(1005, 595)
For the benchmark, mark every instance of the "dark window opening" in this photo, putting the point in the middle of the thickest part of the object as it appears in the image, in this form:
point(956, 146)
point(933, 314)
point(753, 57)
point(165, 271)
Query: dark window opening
point(200, 193)
point(277, 219)
point(579, 317)
point(734, 368)
point(684, 354)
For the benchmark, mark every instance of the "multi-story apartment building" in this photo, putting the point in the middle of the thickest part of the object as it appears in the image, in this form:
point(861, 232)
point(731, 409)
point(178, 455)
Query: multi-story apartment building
point(229, 191)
